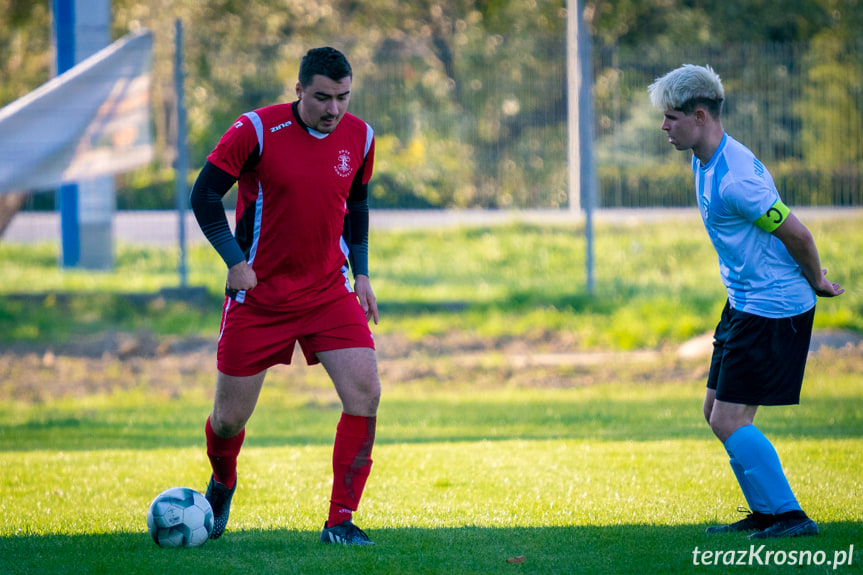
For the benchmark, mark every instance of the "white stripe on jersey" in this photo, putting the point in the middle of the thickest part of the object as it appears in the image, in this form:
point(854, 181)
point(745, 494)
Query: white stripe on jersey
point(370, 135)
point(345, 250)
point(259, 129)
point(256, 235)
point(224, 317)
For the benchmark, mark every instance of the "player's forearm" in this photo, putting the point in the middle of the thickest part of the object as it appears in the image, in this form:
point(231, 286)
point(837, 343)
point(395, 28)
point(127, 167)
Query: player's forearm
point(358, 213)
point(206, 199)
point(806, 256)
point(801, 246)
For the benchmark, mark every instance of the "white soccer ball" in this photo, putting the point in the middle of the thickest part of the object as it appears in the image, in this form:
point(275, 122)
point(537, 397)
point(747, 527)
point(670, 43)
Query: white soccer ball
point(180, 517)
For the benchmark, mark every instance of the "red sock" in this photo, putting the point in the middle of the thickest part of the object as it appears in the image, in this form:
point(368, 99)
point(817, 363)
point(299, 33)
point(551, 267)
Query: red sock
point(352, 463)
point(223, 452)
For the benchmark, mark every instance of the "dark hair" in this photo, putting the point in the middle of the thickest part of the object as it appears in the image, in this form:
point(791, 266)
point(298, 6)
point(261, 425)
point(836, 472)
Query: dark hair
point(714, 106)
point(327, 62)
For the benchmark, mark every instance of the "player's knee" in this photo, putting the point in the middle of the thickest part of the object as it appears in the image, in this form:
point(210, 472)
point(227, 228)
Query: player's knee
point(722, 427)
point(371, 390)
point(707, 406)
point(716, 427)
point(226, 426)
point(706, 411)
point(368, 396)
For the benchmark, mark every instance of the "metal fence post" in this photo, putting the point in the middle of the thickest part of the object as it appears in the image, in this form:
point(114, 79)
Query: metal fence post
point(182, 169)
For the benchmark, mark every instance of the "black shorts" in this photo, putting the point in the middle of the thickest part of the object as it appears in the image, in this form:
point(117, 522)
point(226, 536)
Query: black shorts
point(759, 360)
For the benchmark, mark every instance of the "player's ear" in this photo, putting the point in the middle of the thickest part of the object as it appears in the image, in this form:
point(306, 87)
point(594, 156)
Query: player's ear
point(700, 116)
point(299, 89)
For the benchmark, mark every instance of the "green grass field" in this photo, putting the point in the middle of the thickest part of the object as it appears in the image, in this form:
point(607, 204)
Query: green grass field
point(580, 469)
point(656, 284)
point(620, 477)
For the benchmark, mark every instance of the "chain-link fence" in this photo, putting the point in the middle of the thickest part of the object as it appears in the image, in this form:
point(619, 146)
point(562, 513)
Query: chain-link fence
point(797, 106)
point(492, 132)
point(499, 139)
point(496, 138)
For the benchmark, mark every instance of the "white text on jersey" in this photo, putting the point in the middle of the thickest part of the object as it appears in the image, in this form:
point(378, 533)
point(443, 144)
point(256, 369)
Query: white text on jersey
point(279, 127)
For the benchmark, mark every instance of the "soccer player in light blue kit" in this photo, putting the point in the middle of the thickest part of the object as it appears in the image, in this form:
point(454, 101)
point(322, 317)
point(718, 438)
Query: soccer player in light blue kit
point(772, 272)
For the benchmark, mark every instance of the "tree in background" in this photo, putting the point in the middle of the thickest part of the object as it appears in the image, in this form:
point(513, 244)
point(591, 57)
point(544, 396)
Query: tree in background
point(25, 47)
point(466, 96)
point(832, 99)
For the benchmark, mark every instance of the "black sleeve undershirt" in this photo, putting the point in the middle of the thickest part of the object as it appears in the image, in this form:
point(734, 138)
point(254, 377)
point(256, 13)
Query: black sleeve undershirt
point(206, 199)
point(356, 229)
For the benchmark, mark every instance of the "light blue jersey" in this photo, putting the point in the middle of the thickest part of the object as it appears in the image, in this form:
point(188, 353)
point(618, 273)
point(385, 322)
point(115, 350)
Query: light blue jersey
point(733, 190)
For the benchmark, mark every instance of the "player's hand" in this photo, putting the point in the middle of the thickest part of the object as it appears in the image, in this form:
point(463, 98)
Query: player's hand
point(364, 292)
point(826, 288)
point(241, 277)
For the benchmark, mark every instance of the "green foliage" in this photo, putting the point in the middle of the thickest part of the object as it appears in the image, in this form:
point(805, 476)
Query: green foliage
point(421, 173)
point(666, 185)
point(634, 24)
point(830, 107)
point(816, 186)
point(24, 44)
point(670, 185)
point(477, 89)
point(150, 188)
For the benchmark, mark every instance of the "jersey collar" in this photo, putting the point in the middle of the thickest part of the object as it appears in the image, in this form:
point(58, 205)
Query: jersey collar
point(295, 109)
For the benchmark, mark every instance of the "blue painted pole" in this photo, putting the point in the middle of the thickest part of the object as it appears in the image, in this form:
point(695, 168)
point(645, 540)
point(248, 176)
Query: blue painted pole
point(66, 197)
point(82, 28)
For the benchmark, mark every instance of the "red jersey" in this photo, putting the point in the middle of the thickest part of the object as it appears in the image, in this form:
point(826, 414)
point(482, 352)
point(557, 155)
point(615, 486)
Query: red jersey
point(293, 186)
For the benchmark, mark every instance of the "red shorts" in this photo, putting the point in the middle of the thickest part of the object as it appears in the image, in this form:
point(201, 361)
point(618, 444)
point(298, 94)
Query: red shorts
point(254, 339)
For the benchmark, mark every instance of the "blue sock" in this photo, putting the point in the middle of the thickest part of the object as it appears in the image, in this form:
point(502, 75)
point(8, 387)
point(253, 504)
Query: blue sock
point(762, 469)
point(753, 499)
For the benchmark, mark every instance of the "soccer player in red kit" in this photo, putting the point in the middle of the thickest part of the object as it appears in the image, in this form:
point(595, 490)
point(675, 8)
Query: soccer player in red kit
point(302, 217)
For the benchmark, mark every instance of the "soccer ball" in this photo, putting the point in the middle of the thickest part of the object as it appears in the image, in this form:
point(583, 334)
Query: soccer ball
point(180, 517)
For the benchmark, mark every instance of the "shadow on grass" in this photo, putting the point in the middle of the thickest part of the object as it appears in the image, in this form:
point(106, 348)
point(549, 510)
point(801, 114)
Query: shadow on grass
point(617, 549)
point(58, 320)
point(605, 304)
point(179, 424)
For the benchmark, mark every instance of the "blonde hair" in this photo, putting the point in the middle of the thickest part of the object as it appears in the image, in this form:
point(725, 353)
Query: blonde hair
point(686, 87)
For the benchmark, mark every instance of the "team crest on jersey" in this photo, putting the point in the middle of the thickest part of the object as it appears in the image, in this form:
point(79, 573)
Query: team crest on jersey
point(343, 164)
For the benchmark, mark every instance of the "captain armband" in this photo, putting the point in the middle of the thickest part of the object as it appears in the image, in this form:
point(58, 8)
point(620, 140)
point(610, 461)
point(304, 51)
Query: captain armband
point(774, 217)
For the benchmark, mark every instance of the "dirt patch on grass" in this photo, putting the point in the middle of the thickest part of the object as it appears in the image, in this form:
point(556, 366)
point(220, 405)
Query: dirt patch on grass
point(171, 366)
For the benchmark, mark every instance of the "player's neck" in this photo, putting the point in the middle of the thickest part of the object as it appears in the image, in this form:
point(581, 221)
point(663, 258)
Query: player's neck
point(709, 143)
